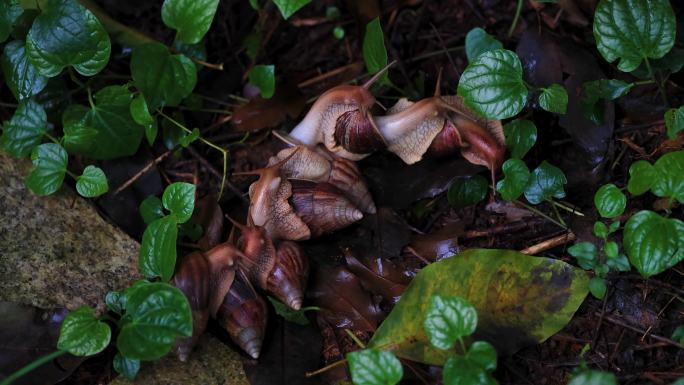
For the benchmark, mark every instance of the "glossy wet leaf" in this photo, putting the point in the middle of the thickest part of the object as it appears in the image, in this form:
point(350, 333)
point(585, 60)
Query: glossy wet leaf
point(10, 10)
point(610, 201)
point(516, 178)
point(289, 7)
point(593, 377)
point(67, 34)
point(493, 86)
point(163, 78)
point(671, 63)
point(653, 243)
point(642, 175)
point(92, 182)
point(179, 199)
point(49, 167)
point(633, 30)
point(482, 353)
point(448, 319)
point(586, 254)
point(158, 248)
point(156, 314)
point(674, 121)
point(669, 181)
point(82, 334)
point(190, 18)
point(607, 89)
point(263, 77)
point(25, 129)
point(374, 367)
point(554, 99)
point(78, 137)
point(519, 300)
point(460, 370)
point(151, 208)
point(478, 41)
point(22, 78)
point(374, 51)
point(127, 367)
point(521, 135)
point(467, 191)
point(546, 181)
point(140, 112)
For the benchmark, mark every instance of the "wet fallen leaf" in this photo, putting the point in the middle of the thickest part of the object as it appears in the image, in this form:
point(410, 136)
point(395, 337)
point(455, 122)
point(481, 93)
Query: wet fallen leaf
point(209, 215)
point(520, 301)
point(379, 275)
point(266, 113)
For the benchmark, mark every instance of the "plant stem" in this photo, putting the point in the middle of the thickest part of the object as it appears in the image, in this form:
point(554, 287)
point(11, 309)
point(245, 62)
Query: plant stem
point(541, 214)
point(355, 338)
point(651, 75)
point(90, 99)
point(566, 208)
point(555, 210)
point(32, 366)
point(518, 9)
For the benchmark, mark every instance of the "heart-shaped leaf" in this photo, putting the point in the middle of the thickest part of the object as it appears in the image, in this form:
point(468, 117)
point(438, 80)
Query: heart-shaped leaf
point(151, 208)
point(179, 199)
point(10, 10)
point(653, 243)
point(492, 84)
point(67, 34)
point(546, 181)
point(126, 366)
point(669, 182)
point(156, 314)
point(608, 89)
point(449, 319)
point(289, 7)
point(49, 166)
point(478, 41)
point(634, 30)
point(674, 121)
point(610, 201)
point(642, 175)
point(586, 254)
point(374, 51)
point(191, 18)
point(92, 182)
point(519, 299)
point(25, 130)
point(374, 367)
point(263, 77)
point(22, 78)
point(482, 353)
point(461, 370)
point(521, 135)
point(82, 334)
point(517, 176)
point(158, 248)
point(554, 99)
point(163, 78)
point(467, 191)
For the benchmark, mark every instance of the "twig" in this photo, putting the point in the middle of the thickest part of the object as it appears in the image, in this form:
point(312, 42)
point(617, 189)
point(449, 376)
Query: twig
point(142, 172)
point(328, 74)
point(549, 243)
point(616, 321)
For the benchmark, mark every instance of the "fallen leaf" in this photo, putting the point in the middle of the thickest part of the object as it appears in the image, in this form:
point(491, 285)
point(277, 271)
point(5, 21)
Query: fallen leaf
point(379, 276)
point(209, 215)
point(261, 113)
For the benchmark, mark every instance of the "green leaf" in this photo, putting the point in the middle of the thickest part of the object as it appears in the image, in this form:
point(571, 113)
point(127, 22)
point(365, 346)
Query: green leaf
point(78, 138)
point(546, 181)
point(653, 243)
point(674, 121)
point(586, 254)
point(593, 377)
point(179, 199)
point(82, 334)
point(22, 78)
point(338, 32)
point(519, 300)
point(633, 30)
point(619, 263)
point(263, 77)
point(463, 371)
point(191, 137)
point(291, 315)
point(493, 86)
point(554, 99)
point(289, 7)
point(597, 287)
point(678, 334)
point(610, 201)
point(669, 182)
point(608, 89)
point(127, 367)
point(151, 209)
point(67, 34)
point(49, 166)
point(374, 51)
point(141, 115)
point(613, 227)
point(600, 230)
point(25, 130)
point(467, 191)
point(516, 179)
point(158, 248)
point(611, 249)
point(10, 10)
point(92, 182)
point(252, 43)
point(191, 18)
point(642, 175)
point(478, 41)
point(448, 319)
point(482, 353)
point(114, 302)
point(254, 4)
point(521, 135)
point(163, 78)
point(671, 63)
point(156, 314)
point(374, 367)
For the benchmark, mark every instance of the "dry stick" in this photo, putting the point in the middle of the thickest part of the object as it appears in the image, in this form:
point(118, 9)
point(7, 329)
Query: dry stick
point(328, 74)
point(214, 171)
point(656, 337)
point(142, 172)
point(549, 243)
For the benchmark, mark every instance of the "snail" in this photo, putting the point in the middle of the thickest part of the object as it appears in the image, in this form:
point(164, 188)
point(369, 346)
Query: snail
point(340, 119)
point(294, 209)
point(280, 267)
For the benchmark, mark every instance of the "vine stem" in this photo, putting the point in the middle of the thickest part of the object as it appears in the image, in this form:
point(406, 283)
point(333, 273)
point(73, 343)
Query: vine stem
point(541, 214)
point(208, 143)
point(32, 366)
point(518, 9)
point(651, 75)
